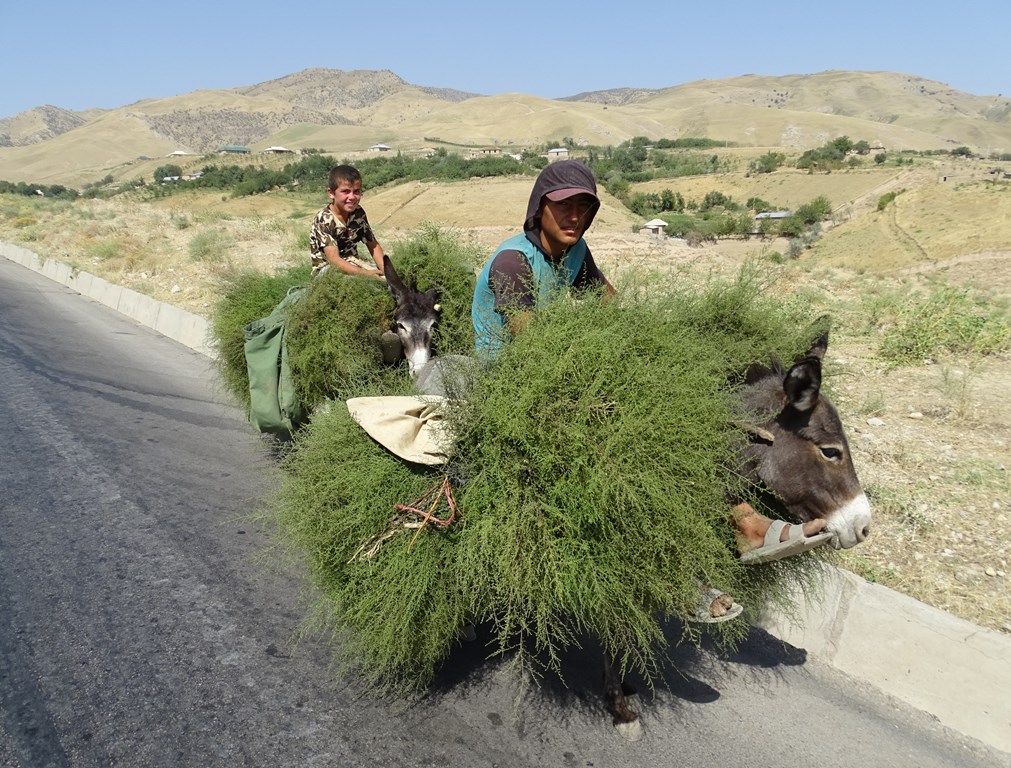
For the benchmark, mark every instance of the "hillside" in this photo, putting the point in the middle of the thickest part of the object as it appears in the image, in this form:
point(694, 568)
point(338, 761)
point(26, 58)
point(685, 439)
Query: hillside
point(37, 125)
point(345, 112)
point(885, 106)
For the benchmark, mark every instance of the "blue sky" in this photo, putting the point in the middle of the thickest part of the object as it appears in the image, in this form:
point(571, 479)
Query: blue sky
point(110, 53)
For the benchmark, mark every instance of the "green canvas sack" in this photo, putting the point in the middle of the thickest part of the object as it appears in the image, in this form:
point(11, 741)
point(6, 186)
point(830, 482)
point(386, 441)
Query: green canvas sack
point(274, 405)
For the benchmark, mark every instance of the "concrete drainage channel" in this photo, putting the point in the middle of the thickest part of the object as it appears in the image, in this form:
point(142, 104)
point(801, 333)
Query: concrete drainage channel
point(948, 667)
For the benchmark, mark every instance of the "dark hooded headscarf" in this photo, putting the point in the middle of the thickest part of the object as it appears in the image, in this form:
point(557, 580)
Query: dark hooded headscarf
point(561, 179)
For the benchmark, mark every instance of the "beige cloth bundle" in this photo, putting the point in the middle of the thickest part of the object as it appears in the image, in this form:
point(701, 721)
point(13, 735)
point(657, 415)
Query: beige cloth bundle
point(410, 427)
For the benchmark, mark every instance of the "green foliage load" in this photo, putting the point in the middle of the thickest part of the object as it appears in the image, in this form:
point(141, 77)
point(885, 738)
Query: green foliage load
point(333, 333)
point(246, 296)
point(333, 330)
point(589, 470)
point(333, 339)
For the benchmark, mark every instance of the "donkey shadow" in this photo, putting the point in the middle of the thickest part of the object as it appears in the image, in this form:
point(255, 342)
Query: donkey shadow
point(689, 672)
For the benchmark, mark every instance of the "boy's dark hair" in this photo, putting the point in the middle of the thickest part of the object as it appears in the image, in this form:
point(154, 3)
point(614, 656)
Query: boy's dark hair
point(341, 173)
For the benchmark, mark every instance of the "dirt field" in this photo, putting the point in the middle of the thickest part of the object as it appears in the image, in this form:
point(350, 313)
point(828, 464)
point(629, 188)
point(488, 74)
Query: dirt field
point(931, 441)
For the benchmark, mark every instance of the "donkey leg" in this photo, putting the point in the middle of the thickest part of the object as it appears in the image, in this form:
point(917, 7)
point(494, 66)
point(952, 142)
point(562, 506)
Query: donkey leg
point(616, 693)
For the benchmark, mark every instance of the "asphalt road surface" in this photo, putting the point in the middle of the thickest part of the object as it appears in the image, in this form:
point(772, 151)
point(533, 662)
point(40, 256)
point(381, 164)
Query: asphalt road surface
point(145, 619)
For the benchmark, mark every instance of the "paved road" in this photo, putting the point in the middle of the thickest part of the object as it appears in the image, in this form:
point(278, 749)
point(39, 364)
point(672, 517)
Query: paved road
point(145, 620)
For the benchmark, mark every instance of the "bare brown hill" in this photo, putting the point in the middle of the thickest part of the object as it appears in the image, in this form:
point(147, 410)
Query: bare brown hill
point(345, 112)
point(38, 125)
point(332, 90)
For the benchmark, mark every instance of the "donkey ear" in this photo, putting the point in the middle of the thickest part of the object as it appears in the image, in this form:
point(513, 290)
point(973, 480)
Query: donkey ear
point(393, 281)
point(803, 383)
point(756, 372)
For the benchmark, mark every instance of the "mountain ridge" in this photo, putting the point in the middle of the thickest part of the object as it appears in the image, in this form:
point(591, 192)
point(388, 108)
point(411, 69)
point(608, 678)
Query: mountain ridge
point(341, 111)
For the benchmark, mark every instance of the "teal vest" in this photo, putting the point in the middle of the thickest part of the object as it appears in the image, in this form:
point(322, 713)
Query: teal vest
point(490, 329)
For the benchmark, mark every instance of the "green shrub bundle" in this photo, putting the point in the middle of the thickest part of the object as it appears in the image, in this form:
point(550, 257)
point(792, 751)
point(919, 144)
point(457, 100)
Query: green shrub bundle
point(333, 339)
point(246, 296)
point(435, 257)
point(334, 329)
point(590, 470)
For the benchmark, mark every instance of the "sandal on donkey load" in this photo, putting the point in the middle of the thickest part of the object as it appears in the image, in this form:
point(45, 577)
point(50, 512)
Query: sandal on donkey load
point(773, 549)
point(704, 606)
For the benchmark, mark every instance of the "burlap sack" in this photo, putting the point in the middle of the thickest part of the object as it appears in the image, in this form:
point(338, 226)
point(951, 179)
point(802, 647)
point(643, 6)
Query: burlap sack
point(410, 427)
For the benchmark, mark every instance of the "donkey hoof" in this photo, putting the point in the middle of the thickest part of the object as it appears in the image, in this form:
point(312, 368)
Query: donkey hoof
point(632, 731)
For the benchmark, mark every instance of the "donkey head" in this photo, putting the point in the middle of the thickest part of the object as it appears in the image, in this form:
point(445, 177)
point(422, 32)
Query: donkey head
point(414, 318)
point(799, 450)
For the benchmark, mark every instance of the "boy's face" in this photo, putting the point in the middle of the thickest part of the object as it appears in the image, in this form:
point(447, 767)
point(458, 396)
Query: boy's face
point(564, 222)
point(346, 197)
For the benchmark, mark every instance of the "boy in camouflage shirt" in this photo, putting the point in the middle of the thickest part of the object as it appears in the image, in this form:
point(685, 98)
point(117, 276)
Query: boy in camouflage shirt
point(341, 225)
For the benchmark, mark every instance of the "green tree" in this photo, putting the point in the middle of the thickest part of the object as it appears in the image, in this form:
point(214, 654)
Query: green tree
point(843, 144)
point(166, 170)
point(672, 201)
point(817, 210)
point(767, 163)
point(714, 199)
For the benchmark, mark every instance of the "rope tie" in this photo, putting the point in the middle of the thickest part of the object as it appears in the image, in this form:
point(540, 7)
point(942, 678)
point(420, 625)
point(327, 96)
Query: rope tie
point(425, 507)
point(432, 497)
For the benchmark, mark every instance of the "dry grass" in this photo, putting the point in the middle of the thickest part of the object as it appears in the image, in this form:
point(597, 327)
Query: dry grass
point(934, 461)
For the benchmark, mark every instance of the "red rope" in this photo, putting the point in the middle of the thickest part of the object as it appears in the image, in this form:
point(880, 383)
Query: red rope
point(431, 498)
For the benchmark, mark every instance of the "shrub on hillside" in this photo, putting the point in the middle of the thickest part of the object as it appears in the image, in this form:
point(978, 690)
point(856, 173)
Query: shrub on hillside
point(948, 320)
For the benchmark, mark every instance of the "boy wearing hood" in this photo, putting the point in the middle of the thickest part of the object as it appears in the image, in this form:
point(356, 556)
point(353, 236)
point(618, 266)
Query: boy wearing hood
point(530, 269)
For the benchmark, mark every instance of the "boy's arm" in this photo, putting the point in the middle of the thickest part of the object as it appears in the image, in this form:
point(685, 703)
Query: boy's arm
point(511, 283)
point(377, 253)
point(337, 261)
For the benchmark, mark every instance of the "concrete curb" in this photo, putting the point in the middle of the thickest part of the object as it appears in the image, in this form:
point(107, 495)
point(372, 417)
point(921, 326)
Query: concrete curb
point(958, 672)
point(188, 329)
point(951, 668)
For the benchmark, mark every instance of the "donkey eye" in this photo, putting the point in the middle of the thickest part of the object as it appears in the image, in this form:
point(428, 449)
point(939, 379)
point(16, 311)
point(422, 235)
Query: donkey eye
point(830, 453)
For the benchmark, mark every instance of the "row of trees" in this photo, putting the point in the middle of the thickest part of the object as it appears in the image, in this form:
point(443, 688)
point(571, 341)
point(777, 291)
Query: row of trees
point(28, 189)
point(616, 168)
point(311, 172)
point(718, 215)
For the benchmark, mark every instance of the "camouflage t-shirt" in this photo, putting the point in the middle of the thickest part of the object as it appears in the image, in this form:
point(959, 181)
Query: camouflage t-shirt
point(327, 229)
